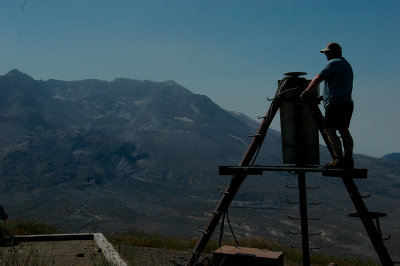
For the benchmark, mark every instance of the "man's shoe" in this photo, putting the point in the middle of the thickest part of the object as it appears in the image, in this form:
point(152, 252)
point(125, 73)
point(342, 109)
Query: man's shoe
point(337, 163)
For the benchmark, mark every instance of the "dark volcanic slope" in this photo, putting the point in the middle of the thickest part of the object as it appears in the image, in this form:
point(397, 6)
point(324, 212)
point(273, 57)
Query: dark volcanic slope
point(99, 131)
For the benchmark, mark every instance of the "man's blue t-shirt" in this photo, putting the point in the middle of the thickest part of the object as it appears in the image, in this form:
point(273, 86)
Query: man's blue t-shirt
point(338, 76)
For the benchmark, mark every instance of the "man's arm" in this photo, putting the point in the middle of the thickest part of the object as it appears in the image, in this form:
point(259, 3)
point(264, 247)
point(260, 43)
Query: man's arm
point(314, 83)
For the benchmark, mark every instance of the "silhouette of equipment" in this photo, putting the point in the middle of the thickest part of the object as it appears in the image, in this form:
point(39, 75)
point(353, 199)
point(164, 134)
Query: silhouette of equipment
point(302, 153)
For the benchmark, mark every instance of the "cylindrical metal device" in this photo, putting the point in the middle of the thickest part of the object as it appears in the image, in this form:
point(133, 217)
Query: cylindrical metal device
point(299, 132)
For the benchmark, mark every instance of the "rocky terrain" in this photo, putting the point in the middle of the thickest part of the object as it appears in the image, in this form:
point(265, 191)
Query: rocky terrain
point(96, 155)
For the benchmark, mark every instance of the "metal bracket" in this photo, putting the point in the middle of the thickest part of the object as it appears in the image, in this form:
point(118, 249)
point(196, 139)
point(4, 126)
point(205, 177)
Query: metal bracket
point(191, 251)
point(298, 218)
point(387, 238)
point(202, 231)
point(223, 192)
point(297, 203)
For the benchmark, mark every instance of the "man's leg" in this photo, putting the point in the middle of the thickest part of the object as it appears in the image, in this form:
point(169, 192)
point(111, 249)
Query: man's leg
point(336, 144)
point(347, 146)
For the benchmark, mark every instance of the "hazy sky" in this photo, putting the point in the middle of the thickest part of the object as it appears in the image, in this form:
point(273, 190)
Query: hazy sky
point(232, 51)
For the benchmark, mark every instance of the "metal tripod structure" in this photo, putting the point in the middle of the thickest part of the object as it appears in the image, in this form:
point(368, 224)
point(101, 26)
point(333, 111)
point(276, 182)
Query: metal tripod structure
point(247, 167)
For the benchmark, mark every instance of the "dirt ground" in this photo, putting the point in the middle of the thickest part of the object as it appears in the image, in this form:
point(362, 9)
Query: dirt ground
point(144, 256)
point(71, 252)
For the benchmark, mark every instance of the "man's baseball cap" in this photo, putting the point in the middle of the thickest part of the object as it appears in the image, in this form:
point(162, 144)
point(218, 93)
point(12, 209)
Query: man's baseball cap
point(332, 46)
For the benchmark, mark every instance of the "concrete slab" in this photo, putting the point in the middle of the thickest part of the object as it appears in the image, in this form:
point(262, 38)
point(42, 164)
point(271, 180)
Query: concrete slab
point(59, 249)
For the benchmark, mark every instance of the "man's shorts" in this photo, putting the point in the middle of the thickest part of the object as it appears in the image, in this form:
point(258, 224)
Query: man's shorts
point(338, 115)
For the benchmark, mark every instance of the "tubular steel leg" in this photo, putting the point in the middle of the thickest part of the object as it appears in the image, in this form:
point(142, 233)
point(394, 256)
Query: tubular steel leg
point(367, 221)
point(355, 195)
point(298, 117)
point(304, 218)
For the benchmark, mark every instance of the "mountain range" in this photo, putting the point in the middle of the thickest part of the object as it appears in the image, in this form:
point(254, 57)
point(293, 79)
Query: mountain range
point(392, 156)
point(108, 156)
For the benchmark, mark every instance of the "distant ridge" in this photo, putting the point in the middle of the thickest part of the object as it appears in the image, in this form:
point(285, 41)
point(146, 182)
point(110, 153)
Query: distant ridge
point(16, 73)
point(392, 156)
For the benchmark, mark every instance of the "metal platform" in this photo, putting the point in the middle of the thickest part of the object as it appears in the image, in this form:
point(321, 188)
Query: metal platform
point(259, 169)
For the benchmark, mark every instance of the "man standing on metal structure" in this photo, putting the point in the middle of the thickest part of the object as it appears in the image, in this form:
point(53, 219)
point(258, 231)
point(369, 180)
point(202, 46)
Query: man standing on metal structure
point(338, 77)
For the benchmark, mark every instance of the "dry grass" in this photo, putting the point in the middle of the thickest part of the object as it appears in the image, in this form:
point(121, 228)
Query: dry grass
point(154, 243)
point(143, 248)
point(21, 226)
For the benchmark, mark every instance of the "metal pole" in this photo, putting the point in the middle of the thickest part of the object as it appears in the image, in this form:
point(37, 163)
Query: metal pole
point(304, 218)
